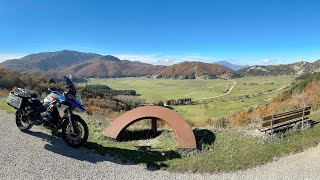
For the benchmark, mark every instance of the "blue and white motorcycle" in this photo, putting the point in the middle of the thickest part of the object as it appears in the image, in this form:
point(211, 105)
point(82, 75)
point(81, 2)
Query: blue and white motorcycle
point(55, 112)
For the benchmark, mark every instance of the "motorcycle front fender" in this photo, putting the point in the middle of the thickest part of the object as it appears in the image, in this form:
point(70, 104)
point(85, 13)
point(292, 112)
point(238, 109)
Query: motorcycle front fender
point(76, 105)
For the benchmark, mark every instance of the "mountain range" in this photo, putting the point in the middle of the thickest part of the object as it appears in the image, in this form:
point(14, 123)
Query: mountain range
point(234, 67)
point(296, 68)
point(86, 65)
point(95, 65)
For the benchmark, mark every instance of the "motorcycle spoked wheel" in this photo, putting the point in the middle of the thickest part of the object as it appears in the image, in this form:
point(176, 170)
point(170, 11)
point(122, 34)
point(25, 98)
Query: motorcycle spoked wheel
point(80, 135)
point(22, 121)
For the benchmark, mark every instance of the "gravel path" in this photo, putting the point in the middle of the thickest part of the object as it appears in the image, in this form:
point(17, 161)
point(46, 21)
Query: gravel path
point(234, 83)
point(276, 90)
point(39, 156)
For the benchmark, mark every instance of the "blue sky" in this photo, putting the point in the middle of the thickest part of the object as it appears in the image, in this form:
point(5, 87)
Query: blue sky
point(165, 32)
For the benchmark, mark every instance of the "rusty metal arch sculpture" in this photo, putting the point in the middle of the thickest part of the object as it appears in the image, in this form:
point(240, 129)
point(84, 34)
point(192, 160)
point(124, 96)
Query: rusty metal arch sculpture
point(178, 123)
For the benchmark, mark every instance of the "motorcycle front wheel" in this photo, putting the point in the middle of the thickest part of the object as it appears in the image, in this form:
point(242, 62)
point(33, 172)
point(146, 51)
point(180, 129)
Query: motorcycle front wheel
point(80, 135)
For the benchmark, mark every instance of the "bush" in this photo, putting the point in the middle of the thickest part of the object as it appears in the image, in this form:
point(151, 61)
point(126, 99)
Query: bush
point(131, 101)
point(4, 92)
point(160, 103)
point(105, 91)
point(105, 103)
point(221, 123)
point(106, 113)
point(180, 101)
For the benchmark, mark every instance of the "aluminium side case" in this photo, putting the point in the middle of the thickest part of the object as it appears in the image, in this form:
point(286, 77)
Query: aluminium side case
point(14, 100)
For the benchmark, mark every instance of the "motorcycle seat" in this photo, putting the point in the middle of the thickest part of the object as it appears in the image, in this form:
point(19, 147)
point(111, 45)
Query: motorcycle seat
point(36, 99)
point(33, 96)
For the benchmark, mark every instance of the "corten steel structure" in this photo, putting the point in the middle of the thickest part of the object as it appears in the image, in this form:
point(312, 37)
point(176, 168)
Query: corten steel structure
point(179, 125)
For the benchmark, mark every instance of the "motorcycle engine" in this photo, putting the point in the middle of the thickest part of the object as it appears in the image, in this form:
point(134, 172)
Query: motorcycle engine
point(46, 116)
point(49, 115)
point(51, 118)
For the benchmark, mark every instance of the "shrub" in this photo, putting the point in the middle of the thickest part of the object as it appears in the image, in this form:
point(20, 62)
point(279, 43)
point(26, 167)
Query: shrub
point(131, 101)
point(105, 91)
point(221, 123)
point(4, 92)
point(180, 101)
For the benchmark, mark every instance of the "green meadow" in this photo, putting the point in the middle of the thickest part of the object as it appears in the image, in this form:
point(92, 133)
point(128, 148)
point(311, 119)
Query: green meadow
point(249, 92)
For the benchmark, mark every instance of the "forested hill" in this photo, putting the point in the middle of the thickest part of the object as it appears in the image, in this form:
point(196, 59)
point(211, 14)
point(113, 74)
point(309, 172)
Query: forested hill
point(87, 65)
point(297, 68)
point(79, 63)
point(194, 70)
point(304, 91)
point(10, 79)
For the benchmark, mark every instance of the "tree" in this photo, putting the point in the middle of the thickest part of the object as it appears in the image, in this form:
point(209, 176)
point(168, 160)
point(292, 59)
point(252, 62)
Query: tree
point(303, 98)
point(160, 103)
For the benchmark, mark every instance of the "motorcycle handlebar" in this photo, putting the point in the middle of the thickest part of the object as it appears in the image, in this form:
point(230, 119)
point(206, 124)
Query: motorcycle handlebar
point(55, 89)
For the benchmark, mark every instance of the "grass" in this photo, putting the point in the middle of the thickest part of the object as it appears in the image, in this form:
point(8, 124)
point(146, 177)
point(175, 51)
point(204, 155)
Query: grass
point(229, 149)
point(221, 149)
point(154, 90)
point(5, 106)
point(232, 149)
point(244, 96)
point(236, 151)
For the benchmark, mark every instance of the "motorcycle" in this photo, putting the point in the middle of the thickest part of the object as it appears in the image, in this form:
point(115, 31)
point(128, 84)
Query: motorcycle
point(55, 112)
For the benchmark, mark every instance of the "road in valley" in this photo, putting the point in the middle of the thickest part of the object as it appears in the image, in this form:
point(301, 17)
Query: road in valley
point(214, 97)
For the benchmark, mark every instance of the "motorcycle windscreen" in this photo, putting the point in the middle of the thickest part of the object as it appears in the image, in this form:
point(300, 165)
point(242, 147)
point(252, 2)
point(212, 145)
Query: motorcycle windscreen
point(75, 104)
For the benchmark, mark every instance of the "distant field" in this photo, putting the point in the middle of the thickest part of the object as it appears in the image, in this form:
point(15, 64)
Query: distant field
point(162, 89)
point(248, 93)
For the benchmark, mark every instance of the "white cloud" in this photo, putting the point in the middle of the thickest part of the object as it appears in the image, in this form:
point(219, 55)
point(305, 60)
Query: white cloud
point(4, 57)
point(161, 59)
point(266, 61)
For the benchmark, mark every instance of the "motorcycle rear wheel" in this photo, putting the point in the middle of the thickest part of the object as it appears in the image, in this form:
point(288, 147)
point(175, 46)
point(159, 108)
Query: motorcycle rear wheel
point(22, 121)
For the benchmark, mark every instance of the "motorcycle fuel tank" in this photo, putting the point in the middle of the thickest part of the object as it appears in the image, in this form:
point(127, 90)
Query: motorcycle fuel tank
point(53, 96)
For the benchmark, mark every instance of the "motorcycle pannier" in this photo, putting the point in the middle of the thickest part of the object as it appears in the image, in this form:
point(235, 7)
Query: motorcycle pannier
point(14, 100)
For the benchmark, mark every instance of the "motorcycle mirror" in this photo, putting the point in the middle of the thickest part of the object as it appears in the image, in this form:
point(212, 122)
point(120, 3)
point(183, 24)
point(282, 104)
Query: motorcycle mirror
point(52, 81)
point(69, 76)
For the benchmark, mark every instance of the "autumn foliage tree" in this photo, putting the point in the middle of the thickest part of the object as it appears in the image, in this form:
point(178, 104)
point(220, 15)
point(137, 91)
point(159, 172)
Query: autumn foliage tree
point(305, 92)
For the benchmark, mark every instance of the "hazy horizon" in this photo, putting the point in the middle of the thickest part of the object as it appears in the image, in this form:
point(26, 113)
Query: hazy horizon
point(154, 59)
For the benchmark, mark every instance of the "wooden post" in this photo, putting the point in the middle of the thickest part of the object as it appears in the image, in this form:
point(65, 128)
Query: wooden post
point(154, 127)
point(304, 108)
point(272, 125)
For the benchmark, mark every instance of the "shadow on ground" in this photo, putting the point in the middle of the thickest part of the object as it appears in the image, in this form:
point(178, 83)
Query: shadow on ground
point(153, 159)
point(144, 134)
point(204, 137)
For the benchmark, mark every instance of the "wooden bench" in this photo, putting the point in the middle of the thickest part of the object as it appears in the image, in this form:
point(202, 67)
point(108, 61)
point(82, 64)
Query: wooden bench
point(270, 123)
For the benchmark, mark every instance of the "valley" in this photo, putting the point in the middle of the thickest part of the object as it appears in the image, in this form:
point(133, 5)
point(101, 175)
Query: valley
point(249, 92)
